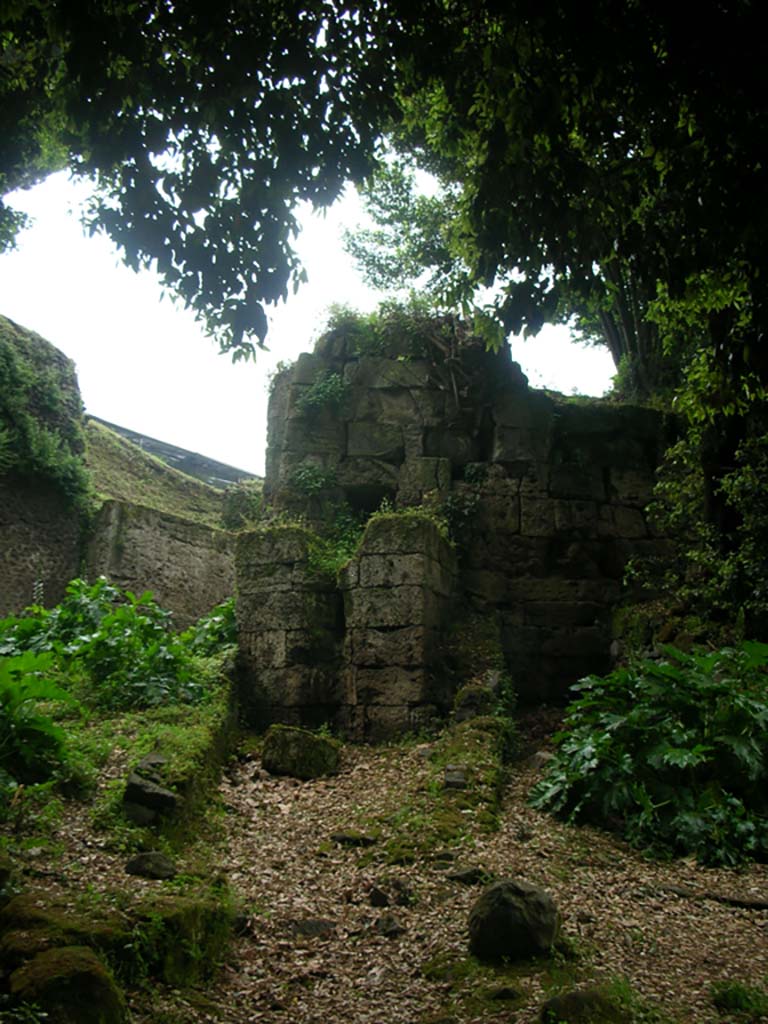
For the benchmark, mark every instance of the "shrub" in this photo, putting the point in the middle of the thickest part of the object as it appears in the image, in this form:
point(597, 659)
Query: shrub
point(31, 746)
point(328, 391)
point(672, 753)
point(122, 645)
point(213, 631)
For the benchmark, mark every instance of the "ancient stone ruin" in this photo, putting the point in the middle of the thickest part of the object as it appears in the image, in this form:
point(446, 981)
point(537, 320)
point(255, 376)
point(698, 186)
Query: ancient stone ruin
point(545, 496)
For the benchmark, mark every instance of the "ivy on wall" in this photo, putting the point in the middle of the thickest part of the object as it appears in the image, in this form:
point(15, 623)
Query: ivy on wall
point(41, 430)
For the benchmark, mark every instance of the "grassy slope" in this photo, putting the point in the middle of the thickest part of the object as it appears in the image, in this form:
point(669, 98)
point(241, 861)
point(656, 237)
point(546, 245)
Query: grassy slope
point(120, 469)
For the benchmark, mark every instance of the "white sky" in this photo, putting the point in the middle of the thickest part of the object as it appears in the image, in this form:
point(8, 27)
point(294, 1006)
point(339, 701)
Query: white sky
point(144, 363)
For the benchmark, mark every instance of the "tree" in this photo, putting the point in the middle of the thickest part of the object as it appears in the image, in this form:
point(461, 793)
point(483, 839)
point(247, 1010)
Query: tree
point(602, 150)
point(203, 125)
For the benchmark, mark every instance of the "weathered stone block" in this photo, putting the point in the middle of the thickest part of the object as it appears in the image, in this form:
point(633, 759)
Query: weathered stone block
point(296, 686)
point(518, 445)
point(389, 534)
point(537, 517)
point(391, 686)
point(425, 407)
point(577, 518)
point(458, 446)
point(574, 480)
point(409, 645)
point(376, 440)
point(318, 434)
point(420, 476)
point(299, 753)
point(515, 408)
point(271, 544)
point(405, 570)
point(619, 521)
point(386, 607)
point(486, 584)
point(557, 589)
point(631, 487)
point(355, 473)
point(374, 372)
point(288, 609)
point(500, 510)
point(307, 368)
point(561, 613)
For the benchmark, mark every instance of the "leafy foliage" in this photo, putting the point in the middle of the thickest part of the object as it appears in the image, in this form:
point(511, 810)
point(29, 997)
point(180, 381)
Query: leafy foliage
point(40, 417)
point(748, 1001)
point(717, 569)
point(204, 129)
point(213, 631)
point(243, 503)
point(122, 645)
point(31, 745)
point(327, 391)
point(671, 752)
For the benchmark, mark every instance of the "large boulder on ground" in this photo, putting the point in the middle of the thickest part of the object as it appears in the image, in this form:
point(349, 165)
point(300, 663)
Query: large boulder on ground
point(299, 753)
point(512, 920)
point(69, 985)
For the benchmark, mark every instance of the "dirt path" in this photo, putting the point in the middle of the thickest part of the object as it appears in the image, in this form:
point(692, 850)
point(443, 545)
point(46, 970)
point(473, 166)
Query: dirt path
point(620, 918)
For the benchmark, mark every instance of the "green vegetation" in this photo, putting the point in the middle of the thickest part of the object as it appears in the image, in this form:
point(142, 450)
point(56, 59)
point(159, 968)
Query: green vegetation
point(672, 752)
point(327, 392)
point(41, 431)
point(100, 652)
point(120, 469)
point(719, 566)
point(744, 1004)
point(243, 504)
point(436, 817)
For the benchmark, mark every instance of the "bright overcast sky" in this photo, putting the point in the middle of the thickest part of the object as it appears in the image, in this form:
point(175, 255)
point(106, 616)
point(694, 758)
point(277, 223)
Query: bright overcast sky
point(145, 364)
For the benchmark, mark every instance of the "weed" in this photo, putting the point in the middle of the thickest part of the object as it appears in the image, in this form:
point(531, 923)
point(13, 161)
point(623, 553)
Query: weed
point(327, 391)
point(750, 1002)
point(674, 751)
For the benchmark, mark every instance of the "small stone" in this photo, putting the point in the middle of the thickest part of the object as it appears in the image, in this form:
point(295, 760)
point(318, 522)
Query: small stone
point(146, 793)
point(470, 876)
point(299, 753)
point(455, 777)
point(312, 927)
point(378, 898)
point(389, 926)
point(352, 838)
point(403, 892)
point(505, 993)
point(152, 864)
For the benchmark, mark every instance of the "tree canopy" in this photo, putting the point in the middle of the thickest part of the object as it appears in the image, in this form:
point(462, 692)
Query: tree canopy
point(603, 153)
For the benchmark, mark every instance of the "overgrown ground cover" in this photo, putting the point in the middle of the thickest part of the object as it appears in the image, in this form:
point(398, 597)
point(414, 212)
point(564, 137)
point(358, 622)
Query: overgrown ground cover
point(120, 469)
point(319, 945)
point(351, 893)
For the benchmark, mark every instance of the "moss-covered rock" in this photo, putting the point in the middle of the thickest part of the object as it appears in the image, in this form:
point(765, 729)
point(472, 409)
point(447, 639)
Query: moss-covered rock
point(473, 699)
point(177, 939)
point(180, 940)
point(512, 920)
point(592, 1005)
point(70, 985)
point(29, 926)
point(299, 753)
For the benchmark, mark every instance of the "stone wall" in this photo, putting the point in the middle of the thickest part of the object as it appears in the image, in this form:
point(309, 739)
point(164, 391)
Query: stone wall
point(365, 664)
point(188, 567)
point(546, 494)
point(398, 596)
point(39, 543)
point(290, 629)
